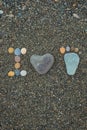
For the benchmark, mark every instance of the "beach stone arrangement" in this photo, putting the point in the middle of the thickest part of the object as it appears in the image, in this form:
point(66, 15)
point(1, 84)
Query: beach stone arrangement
point(17, 58)
point(42, 64)
point(71, 59)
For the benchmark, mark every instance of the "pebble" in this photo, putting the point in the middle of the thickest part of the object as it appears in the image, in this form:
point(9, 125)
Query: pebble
point(62, 50)
point(17, 72)
point(71, 61)
point(42, 64)
point(23, 73)
point(11, 73)
point(67, 48)
point(23, 51)
point(10, 50)
point(72, 48)
point(76, 49)
point(17, 65)
point(17, 58)
point(76, 15)
point(1, 12)
point(17, 51)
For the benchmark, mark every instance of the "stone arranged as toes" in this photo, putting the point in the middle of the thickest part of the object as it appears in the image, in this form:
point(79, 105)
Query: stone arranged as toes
point(71, 59)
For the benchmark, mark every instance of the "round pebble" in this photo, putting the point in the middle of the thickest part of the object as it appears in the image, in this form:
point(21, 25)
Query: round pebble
point(17, 72)
point(67, 48)
point(23, 73)
point(23, 51)
point(11, 73)
point(1, 12)
point(17, 65)
point(17, 51)
point(10, 50)
point(17, 58)
point(76, 49)
point(62, 50)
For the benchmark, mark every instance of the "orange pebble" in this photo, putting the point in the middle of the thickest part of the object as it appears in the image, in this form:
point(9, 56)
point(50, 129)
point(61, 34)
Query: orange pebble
point(17, 65)
point(11, 73)
point(62, 50)
point(10, 50)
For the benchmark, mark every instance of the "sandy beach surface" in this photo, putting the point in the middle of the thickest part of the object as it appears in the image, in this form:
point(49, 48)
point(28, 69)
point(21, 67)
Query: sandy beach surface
point(53, 101)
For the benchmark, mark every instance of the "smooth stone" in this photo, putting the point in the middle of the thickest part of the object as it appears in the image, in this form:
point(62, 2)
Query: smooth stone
point(42, 64)
point(17, 51)
point(17, 72)
point(17, 58)
point(1, 12)
point(67, 48)
point(23, 73)
point(72, 62)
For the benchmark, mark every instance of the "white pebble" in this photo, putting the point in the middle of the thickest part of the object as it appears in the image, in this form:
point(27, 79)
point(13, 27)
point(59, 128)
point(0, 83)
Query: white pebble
point(67, 48)
point(1, 11)
point(23, 73)
point(76, 15)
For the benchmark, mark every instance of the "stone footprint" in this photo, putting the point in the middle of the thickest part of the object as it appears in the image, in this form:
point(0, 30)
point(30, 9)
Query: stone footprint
point(71, 62)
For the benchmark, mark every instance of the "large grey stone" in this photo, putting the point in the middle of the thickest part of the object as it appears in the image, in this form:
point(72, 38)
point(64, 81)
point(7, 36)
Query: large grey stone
point(42, 64)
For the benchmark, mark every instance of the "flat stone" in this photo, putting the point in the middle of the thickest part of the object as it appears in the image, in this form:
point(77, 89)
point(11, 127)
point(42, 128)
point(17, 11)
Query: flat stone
point(72, 62)
point(42, 64)
point(17, 58)
point(23, 73)
point(17, 72)
point(17, 51)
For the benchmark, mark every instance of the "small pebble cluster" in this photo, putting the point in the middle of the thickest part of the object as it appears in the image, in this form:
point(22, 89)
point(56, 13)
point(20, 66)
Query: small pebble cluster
point(17, 52)
point(68, 49)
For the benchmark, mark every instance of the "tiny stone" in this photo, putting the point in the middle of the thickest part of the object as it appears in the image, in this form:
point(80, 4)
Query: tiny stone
point(17, 59)
point(67, 48)
point(11, 73)
point(17, 65)
point(17, 51)
point(76, 15)
point(72, 48)
point(10, 50)
point(17, 72)
point(23, 73)
point(1, 12)
point(23, 51)
point(76, 49)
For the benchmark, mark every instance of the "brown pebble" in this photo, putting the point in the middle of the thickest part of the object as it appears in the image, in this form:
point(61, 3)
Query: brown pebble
point(17, 65)
point(76, 49)
point(72, 48)
point(17, 59)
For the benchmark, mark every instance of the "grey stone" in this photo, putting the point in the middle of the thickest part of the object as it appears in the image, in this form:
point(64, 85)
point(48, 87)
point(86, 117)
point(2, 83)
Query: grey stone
point(72, 62)
point(42, 64)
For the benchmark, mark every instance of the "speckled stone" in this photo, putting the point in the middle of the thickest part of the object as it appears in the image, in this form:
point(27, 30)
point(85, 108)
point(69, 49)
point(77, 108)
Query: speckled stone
point(42, 64)
point(72, 62)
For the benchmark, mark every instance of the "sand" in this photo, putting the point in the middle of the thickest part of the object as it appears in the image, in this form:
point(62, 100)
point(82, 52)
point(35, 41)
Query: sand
point(54, 101)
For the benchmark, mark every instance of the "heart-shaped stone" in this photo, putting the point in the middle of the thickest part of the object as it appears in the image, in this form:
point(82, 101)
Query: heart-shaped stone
point(72, 62)
point(42, 64)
